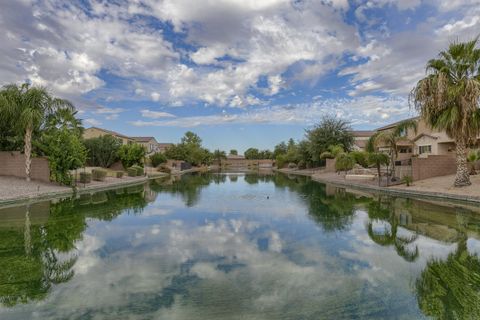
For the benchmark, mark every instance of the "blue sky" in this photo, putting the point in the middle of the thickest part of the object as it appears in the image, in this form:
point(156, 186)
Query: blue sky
point(240, 73)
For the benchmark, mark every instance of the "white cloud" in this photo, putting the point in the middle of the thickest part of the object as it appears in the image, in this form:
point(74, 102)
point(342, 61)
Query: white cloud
point(155, 114)
point(369, 111)
point(155, 96)
point(92, 122)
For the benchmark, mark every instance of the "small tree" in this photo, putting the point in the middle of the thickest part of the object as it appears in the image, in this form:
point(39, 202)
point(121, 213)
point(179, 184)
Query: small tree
point(378, 159)
point(132, 154)
point(157, 159)
point(103, 151)
point(344, 162)
point(234, 152)
point(252, 154)
point(361, 157)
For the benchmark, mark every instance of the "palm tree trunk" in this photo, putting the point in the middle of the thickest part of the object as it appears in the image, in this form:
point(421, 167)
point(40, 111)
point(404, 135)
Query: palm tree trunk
point(463, 177)
point(28, 151)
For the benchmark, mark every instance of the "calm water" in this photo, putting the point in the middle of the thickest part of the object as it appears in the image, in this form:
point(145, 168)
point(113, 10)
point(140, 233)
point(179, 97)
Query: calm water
point(235, 246)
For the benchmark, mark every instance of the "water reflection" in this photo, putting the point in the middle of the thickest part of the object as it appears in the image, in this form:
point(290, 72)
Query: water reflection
point(239, 246)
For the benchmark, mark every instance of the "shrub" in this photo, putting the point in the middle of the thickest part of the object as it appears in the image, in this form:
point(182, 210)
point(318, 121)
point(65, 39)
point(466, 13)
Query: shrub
point(99, 174)
point(119, 174)
point(132, 172)
point(157, 159)
point(85, 177)
point(139, 170)
point(361, 157)
point(164, 168)
point(344, 162)
point(131, 154)
point(103, 151)
point(280, 161)
point(407, 180)
point(292, 165)
point(326, 155)
point(64, 151)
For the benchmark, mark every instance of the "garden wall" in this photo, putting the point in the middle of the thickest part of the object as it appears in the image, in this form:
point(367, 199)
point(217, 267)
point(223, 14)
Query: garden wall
point(12, 163)
point(433, 166)
point(330, 165)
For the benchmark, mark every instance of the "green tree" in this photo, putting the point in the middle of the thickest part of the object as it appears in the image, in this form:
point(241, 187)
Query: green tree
point(280, 149)
point(218, 155)
point(391, 138)
point(330, 131)
point(252, 154)
point(448, 99)
point(266, 154)
point(157, 159)
point(131, 154)
point(103, 150)
point(344, 162)
point(234, 152)
point(31, 107)
point(65, 151)
point(378, 159)
point(191, 138)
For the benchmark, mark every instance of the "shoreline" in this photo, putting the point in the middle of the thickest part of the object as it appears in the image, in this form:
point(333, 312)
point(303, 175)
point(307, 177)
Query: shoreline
point(323, 178)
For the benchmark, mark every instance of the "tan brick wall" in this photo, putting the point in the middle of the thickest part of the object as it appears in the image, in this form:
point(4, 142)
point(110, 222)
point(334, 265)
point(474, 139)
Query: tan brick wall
point(330, 165)
point(433, 166)
point(12, 163)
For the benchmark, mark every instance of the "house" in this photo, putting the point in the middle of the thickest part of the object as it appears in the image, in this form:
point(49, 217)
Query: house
point(422, 143)
point(164, 146)
point(360, 139)
point(94, 132)
point(150, 144)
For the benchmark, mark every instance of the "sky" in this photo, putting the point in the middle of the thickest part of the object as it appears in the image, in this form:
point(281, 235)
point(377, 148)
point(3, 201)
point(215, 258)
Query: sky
point(240, 73)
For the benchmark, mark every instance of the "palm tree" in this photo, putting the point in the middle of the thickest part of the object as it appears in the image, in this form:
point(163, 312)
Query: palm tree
point(448, 99)
point(32, 106)
point(378, 159)
point(391, 138)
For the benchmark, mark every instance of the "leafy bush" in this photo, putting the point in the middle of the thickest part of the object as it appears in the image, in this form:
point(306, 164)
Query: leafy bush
point(139, 170)
point(361, 157)
point(131, 154)
point(103, 151)
point(344, 162)
point(407, 180)
point(64, 151)
point(99, 174)
point(281, 161)
point(85, 177)
point(326, 155)
point(157, 159)
point(119, 174)
point(132, 172)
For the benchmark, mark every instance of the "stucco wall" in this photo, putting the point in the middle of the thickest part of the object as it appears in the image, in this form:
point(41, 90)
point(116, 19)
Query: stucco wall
point(13, 164)
point(433, 166)
point(330, 165)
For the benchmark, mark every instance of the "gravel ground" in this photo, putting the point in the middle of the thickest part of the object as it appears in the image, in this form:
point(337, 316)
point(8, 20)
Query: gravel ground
point(11, 187)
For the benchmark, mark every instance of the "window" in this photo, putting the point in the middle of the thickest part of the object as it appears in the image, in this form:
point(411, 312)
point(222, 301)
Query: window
point(425, 149)
point(405, 150)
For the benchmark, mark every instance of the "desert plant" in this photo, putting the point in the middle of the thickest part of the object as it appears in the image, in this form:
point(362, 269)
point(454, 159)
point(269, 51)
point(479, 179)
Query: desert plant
point(85, 177)
point(344, 162)
point(326, 155)
point(119, 174)
point(132, 172)
point(103, 151)
point(131, 154)
point(378, 159)
point(139, 170)
point(99, 174)
point(472, 158)
point(361, 157)
point(407, 180)
point(157, 159)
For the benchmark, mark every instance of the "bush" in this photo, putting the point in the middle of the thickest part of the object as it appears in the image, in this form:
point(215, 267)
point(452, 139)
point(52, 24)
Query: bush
point(326, 155)
point(139, 170)
point(131, 154)
point(280, 161)
point(164, 168)
point(407, 180)
point(292, 165)
point(99, 174)
point(119, 174)
point(85, 177)
point(344, 162)
point(157, 159)
point(132, 172)
point(64, 151)
point(103, 151)
point(361, 157)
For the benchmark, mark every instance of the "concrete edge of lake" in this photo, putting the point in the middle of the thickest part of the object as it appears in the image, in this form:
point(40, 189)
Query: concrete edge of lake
point(55, 192)
point(330, 179)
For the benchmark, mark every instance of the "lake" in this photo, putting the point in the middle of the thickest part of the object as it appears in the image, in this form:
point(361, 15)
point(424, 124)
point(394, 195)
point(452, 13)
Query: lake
point(239, 246)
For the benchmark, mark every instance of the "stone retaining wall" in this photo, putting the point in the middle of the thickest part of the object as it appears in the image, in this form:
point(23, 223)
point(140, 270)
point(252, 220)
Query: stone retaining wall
point(12, 163)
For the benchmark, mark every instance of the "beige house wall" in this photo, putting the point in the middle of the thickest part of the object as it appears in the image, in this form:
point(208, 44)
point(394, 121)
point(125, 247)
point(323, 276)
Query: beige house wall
point(95, 133)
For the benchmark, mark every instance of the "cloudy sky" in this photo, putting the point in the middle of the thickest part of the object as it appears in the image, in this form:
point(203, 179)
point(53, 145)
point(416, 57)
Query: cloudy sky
point(240, 73)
